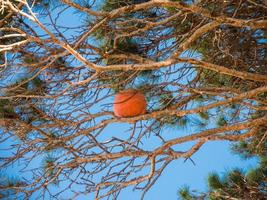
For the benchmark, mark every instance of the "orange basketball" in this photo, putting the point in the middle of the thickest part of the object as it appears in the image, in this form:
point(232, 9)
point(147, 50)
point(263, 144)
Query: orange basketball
point(129, 103)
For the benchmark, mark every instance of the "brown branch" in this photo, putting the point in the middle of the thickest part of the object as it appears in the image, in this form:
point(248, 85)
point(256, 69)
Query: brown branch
point(161, 150)
point(227, 71)
point(84, 9)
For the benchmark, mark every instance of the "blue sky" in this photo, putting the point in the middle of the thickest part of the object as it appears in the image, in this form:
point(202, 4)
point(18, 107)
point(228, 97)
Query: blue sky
point(212, 157)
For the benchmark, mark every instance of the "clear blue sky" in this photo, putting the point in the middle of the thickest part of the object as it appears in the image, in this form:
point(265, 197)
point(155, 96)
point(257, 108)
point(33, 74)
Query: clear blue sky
point(212, 157)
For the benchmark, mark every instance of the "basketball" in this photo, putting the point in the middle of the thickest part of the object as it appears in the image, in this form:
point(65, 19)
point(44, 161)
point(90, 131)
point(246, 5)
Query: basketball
point(129, 103)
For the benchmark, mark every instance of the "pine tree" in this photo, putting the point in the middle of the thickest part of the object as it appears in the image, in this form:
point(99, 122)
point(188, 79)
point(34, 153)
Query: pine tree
point(235, 184)
point(200, 64)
